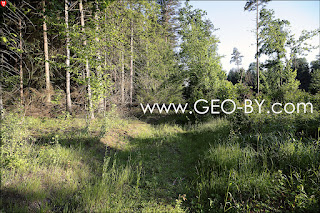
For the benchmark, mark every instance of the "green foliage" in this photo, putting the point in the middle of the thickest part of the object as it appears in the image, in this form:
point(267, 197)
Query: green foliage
point(243, 92)
point(273, 34)
point(201, 62)
point(57, 97)
point(234, 76)
point(226, 90)
point(300, 46)
point(303, 72)
point(315, 99)
point(272, 40)
point(251, 5)
point(280, 75)
point(315, 81)
point(160, 78)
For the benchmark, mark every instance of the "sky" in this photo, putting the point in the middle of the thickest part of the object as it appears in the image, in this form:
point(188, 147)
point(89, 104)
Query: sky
point(237, 27)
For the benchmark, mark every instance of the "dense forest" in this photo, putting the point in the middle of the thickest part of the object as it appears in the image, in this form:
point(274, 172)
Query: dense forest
point(75, 76)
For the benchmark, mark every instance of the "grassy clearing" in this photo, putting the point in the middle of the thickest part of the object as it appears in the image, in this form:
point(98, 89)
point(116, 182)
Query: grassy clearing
point(117, 165)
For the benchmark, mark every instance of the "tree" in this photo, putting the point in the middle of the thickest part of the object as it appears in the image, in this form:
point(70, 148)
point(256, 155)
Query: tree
point(315, 76)
point(90, 106)
point(1, 103)
point(1, 91)
point(303, 72)
point(157, 73)
point(272, 42)
point(20, 50)
point(251, 75)
point(122, 76)
point(131, 61)
point(237, 59)
point(252, 5)
point(234, 76)
point(315, 81)
point(198, 54)
point(168, 19)
point(46, 53)
point(314, 65)
point(13, 46)
point(299, 46)
point(68, 95)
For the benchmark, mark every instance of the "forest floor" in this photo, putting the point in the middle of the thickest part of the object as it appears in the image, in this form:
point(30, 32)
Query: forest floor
point(153, 164)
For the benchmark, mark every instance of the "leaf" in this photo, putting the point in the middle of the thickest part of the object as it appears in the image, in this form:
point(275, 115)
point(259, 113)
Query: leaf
point(4, 39)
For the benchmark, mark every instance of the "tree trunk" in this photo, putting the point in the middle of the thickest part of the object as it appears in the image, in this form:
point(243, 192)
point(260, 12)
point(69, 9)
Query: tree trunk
point(46, 54)
point(89, 91)
point(91, 112)
point(122, 77)
point(20, 65)
point(68, 98)
point(280, 69)
point(241, 77)
point(1, 102)
point(99, 70)
point(131, 63)
point(258, 75)
point(115, 87)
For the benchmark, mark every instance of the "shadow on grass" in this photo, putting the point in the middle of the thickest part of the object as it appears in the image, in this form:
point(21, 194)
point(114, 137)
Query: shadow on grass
point(13, 200)
point(85, 151)
point(170, 162)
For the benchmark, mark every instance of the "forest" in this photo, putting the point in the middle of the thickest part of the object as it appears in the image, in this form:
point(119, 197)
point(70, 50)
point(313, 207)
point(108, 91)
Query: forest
point(75, 136)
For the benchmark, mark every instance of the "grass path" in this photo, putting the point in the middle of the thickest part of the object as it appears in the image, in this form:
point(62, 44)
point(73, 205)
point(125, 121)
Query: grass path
point(112, 165)
point(169, 156)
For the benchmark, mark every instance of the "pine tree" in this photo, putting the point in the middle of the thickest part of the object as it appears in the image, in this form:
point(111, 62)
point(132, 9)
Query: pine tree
point(252, 5)
point(237, 59)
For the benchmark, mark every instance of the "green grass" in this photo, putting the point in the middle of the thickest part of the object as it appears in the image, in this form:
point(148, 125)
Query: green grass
point(127, 165)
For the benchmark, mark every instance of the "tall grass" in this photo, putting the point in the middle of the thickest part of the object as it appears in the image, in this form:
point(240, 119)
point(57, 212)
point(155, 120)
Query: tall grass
point(64, 166)
point(272, 170)
point(243, 164)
